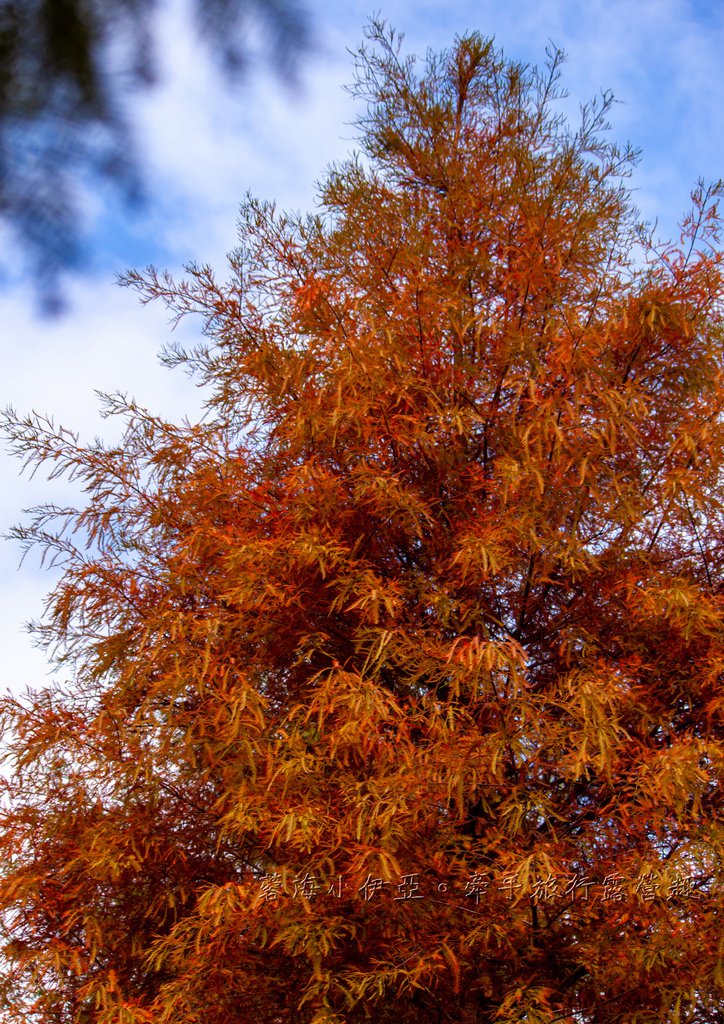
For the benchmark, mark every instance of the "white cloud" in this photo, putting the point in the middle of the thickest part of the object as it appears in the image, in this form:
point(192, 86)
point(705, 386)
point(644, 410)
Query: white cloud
point(208, 142)
point(107, 343)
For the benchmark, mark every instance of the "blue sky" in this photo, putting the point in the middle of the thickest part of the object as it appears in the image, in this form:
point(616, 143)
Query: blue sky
point(204, 146)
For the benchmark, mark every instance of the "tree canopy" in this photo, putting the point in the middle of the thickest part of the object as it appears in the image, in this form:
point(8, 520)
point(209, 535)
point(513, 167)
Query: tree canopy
point(394, 684)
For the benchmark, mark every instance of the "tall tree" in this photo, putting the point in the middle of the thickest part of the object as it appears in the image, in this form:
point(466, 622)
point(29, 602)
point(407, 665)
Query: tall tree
point(395, 684)
point(65, 71)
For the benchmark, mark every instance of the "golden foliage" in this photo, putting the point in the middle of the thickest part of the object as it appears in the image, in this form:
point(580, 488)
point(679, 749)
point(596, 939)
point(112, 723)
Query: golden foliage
point(396, 684)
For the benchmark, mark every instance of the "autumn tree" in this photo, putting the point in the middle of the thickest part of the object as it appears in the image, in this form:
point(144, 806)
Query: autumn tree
point(394, 685)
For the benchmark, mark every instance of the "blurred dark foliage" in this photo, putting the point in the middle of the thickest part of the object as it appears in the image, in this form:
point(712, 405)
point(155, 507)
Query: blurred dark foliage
point(67, 71)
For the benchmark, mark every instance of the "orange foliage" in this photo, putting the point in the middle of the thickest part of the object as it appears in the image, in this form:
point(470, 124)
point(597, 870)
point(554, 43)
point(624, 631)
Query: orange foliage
point(396, 684)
